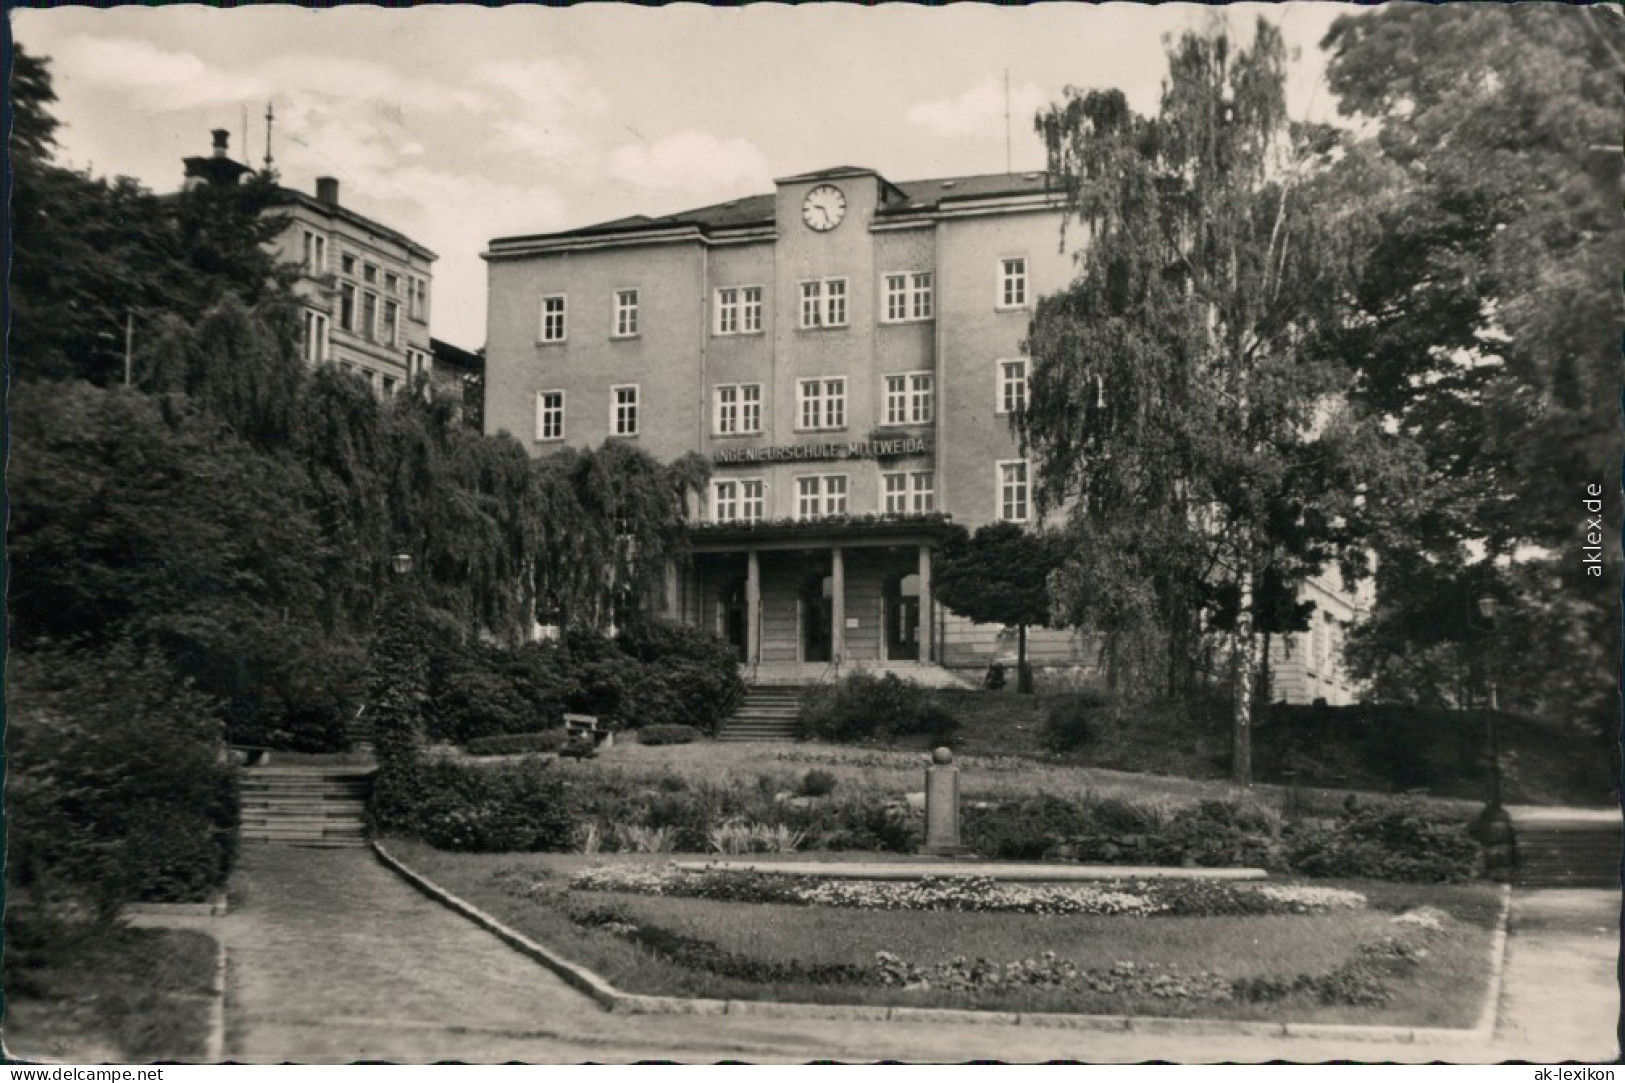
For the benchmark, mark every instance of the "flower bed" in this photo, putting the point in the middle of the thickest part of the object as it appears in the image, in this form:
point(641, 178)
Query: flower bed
point(971, 893)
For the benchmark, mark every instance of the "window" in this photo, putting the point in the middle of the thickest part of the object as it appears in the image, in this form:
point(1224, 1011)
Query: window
point(369, 273)
point(369, 314)
point(624, 410)
point(392, 284)
point(550, 415)
point(727, 312)
point(1012, 386)
point(626, 313)
point(739, 310)
point(417, 297)
point(738, 409)
point(823, 303)
point(908, 297)
point(1013, 491)
point(315, 337)
point(912, 491)
point(347, 264)
point(752, 297)
point(347, 307)
point(392, 320)
point(821, 495)
point(389, 385)
point(822, 403)
point(1013, 282)
point(315, 253)
point(417, 364)
point(552, 329)
point(908, 398)
point(738, 500)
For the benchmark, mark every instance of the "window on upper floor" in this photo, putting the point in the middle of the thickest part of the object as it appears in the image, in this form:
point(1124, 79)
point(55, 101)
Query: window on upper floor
point(909, 491)
point(417, 297)
point(626, 313)
point(1013, 491)
point(1012, 386)
point(392, 324)
point(417, 364)
point(1013, 282)
point(369, 273)
point(392, 284)
point(820, 495)
point(347, 307)
point(738, 310)
point(738, 409)
point(347, 264)
point(623, 420)
point(823, 303)
point(552, 327)
point(550, 415)
point(738, 500)
point(907, 297)
point(369, 314)
point(908, 398)
point(315, 256)
point(315, 336)
point(821, 404)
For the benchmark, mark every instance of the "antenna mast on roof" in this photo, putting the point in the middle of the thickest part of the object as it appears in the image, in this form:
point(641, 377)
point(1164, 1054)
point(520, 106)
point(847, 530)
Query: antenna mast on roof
point(270, 119)
point(1007, 168)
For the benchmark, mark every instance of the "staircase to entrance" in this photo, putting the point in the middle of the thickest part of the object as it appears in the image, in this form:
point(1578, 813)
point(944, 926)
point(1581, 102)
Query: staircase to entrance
point(305, 806)
point(767, 713)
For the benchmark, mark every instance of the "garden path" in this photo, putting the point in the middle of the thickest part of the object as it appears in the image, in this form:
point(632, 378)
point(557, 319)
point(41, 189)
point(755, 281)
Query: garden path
point(332, 958)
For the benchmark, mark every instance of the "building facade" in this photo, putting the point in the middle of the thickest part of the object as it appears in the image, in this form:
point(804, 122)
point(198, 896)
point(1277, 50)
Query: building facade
point(364, 288)
point(847, 353)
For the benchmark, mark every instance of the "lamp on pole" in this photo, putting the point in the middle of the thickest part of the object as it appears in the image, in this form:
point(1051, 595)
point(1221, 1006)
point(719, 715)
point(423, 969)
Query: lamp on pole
point(1486, 607)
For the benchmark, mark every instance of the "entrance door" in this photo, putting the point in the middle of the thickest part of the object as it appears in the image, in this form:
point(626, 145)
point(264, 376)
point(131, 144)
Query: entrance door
point(817, 616)
point(736, 620)
point(903, 618)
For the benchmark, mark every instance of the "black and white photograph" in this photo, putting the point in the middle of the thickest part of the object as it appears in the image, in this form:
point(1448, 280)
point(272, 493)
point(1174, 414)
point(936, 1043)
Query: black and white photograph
point(825, 533)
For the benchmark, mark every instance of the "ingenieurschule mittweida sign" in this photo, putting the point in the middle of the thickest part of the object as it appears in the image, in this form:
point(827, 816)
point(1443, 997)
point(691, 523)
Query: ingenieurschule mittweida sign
point(857, 449)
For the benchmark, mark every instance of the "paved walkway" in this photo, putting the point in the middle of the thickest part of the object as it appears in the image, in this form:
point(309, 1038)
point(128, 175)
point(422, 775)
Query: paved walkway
point(332, 958)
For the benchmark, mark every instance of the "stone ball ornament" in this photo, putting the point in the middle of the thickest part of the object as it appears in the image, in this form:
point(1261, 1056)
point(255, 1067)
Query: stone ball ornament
point(942, 756)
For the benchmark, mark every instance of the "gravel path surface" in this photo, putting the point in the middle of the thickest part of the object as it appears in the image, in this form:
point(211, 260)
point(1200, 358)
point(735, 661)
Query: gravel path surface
point(332, 958)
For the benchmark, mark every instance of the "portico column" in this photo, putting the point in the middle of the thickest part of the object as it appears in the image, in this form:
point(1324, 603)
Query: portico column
point(927, 628)
point(753, 607)
point(837, 606)
point(671, 591)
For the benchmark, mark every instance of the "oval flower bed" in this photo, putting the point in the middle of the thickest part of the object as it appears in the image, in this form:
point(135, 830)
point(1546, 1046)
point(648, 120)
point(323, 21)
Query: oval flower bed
point(972, 893)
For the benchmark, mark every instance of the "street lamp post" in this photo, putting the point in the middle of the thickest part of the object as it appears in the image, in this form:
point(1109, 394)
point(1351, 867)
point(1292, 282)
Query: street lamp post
point(1494, 825)
point(1487, 607)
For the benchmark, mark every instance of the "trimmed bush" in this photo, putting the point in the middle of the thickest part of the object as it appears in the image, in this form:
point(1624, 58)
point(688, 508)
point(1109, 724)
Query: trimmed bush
point(118, 786)
point(816, 783)
point(1390, 842)
point(1073, 722)
point(863, 707)
point(668, 735)
point(1024, 830)
point(511, 744)
point(520, 807)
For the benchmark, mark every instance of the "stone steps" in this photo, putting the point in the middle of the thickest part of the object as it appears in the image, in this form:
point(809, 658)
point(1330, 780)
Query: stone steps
point(304, 806)
point(1557, 854)
point(767, 713)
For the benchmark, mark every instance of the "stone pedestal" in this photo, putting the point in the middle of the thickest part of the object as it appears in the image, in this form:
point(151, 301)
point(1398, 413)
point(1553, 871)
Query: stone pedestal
point(942, 805)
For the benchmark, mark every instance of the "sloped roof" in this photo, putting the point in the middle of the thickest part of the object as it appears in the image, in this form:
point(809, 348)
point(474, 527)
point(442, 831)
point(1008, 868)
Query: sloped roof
point(907, 197)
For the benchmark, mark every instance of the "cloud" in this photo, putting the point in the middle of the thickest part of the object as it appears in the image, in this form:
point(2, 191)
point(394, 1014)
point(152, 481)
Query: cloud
point(544, 101)
point(154, 78)
point(979, 112)
point(691, 162)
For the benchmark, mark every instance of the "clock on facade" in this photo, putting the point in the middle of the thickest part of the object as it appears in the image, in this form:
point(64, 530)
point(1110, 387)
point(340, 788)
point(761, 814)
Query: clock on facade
point(823, 208)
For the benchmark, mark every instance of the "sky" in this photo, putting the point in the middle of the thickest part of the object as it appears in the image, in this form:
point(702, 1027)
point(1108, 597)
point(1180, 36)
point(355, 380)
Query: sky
point(455, 125)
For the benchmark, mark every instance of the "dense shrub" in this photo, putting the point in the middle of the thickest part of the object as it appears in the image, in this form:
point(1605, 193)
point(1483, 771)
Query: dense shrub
point(690, 677)
point(668, 735)
point(1026, 829)
point(1390, 842)
point(118, 788)
point(520, 807)
point(863, 707)
point(510, 744)
point(816, 783)
point(1073, 722)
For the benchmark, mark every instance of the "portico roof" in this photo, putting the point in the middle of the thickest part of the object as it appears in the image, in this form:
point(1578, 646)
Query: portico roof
point(854, 531)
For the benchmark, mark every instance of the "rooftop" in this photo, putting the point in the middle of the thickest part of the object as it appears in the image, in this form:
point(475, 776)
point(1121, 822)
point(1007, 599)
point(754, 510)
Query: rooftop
point(901, 199)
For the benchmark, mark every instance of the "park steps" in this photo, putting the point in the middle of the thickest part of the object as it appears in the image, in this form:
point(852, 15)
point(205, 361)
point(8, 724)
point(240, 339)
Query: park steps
point(1554, 851)
point(305, 806)
point(767, 713)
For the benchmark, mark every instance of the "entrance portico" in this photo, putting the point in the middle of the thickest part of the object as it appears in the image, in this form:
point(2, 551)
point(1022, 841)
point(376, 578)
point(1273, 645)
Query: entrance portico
point(804, 596)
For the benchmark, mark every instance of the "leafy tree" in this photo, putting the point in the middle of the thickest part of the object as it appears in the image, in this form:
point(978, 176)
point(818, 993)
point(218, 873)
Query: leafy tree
point(1489, 333)
point(999, 575)
point(1186, 408)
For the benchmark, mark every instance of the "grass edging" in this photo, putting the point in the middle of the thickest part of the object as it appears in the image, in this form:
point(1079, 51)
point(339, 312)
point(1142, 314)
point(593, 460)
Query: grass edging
point(616, 1000)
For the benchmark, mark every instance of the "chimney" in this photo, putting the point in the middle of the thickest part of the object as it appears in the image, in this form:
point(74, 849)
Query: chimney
point(221, 136)
point(327, 190)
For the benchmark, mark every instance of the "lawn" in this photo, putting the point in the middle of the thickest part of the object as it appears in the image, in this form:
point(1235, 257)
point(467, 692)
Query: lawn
point(1445, 988)
point(120, 994)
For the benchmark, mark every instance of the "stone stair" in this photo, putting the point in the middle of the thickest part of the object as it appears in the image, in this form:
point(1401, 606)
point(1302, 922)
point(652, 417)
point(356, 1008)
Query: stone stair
point(1568, 848)
point(767, 713)
point(305, 806)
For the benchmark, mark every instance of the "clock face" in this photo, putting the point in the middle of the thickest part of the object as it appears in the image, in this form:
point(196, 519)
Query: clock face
point(823, 208)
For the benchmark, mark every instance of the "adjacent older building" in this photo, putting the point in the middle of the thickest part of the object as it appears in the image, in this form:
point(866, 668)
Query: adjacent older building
point(847, 352)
